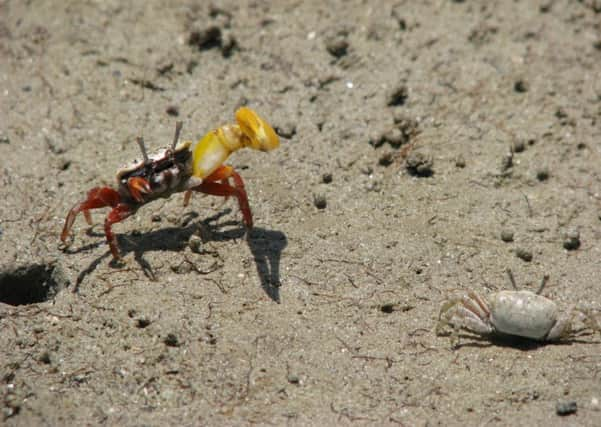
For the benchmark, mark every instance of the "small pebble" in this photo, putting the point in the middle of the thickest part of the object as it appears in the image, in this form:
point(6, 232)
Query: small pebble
point(403, 120)
point(408, 126)
point(205, 38)
point(368, 170)
point(195, 243)
point(397, 95)
point(142, 322)
point(286, 130)
point(519, 146)
point(507, 235)
point(385, 159)
point(402, 24)
point(191, 65)
point(182, 268)
point(79, 378)
point(521, 86)
point(165, 67)
point(524, 254)
point(460, 162)
point(64, 164)
point(319, 200)
point(376, 140)
point(394, 136)
point(45, 358)
point(172, 110)
point(326, 178)
point(213, 37)
point(507, 161)
point(561, 113)
point(398, 134)
point(571, 240)
point(171, 340)
point(542, 174)
point(337, 46)
point(420, 164)
point(229, 44)
point(564, 407)
point(293, 379)
point(374, 185)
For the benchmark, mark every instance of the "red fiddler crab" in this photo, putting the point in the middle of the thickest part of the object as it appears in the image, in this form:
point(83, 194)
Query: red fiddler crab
point(185, 167)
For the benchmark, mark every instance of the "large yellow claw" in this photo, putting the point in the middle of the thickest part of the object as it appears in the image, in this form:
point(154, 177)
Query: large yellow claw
point(261, 135)
point(216, 146)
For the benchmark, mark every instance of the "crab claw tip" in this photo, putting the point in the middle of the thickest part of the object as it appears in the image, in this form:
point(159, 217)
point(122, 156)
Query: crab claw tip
point(260, 133)
point(137, 187)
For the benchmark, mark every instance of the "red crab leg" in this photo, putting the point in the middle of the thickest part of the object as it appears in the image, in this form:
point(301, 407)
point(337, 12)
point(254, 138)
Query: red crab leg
point(221, 174)
point(224, 189)
point(242, 198)
point(119, 213)
point(98, 197)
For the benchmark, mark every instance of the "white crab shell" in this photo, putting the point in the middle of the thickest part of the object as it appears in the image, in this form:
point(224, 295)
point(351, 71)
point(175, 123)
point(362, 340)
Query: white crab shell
point(523, 313)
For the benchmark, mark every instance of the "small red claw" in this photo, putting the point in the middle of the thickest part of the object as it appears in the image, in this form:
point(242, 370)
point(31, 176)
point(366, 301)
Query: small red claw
point(137, 187)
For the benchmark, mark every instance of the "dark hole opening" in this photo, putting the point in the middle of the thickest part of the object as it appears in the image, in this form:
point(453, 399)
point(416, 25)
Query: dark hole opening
point(30, 284)
point(387, 308)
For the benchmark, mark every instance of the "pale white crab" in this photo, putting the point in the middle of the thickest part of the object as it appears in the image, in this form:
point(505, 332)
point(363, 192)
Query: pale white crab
point(519, 313)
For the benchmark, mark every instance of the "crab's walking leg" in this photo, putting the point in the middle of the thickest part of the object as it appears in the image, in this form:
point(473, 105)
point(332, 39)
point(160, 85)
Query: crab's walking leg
point(119, 213)
point(217, 184)
point(98, 197)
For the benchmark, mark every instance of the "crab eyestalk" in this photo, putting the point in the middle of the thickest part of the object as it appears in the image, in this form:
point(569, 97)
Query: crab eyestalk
point(216, 146)
point(178, 129)
point(140, 142)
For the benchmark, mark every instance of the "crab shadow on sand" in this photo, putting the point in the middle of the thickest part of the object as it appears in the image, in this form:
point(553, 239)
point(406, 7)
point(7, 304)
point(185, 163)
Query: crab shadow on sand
point(265, 245)
point(517, 343)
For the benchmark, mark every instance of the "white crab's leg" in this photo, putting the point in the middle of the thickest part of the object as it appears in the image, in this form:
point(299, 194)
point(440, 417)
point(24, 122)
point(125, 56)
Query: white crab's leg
point(480, 308)
point(473, 322)
point(471, 313)
point(443, 317)
point(564, 327)
point(446, 317)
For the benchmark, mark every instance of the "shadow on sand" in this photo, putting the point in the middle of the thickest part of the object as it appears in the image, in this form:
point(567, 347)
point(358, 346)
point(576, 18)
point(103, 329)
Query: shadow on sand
point(265, 245)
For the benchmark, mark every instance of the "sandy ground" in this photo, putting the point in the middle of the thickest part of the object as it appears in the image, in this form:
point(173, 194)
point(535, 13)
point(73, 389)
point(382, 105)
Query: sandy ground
point(427, 147)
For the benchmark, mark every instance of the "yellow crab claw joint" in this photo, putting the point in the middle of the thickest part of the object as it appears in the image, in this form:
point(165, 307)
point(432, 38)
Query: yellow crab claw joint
point(261, 135)
point(215, 147)
point(209, 153)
